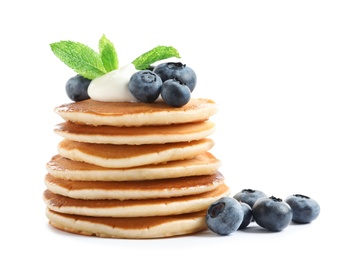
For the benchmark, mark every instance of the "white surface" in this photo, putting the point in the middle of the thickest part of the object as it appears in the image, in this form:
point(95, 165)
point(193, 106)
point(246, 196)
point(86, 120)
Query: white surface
point(282, 72)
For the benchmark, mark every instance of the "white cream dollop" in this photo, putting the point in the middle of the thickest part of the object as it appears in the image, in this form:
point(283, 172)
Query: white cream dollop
point(113, 86)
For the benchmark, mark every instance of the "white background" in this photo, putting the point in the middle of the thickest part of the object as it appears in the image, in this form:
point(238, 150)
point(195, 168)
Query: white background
point(282, 72)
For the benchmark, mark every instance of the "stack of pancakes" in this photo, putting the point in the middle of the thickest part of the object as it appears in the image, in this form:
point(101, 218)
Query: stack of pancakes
point(133, 170)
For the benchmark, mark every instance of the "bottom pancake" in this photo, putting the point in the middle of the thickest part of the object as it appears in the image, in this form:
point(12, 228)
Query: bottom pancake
point(132, 228)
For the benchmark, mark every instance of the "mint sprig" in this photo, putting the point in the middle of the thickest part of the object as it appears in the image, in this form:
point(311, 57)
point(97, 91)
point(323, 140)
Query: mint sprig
point(84, 60)
point(154, 55)
point(91, 64)
point(108, 54)
point(81, 58)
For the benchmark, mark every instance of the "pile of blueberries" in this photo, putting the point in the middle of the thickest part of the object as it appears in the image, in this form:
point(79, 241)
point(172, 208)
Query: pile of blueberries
point(229, 214)
point(174, 81)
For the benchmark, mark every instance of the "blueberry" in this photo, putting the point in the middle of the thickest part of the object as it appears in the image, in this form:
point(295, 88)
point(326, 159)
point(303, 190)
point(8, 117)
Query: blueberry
point(224, 216)
point(145, 85)
point(175, 93)
point(171, 70)
point(77, 88)
point(272, 213)
point(249, 196)
point(247, 215)
point(305, 209)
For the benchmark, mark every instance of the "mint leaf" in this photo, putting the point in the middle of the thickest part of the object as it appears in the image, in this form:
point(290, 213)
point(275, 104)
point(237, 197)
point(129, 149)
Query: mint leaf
point(108, 54)
point(155, 54)
point(79, 57)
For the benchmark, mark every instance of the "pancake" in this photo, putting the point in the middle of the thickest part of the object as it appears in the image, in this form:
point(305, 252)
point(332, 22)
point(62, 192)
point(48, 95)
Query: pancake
point(134, 208)
point(135, 135)
point(93, 112)
point(202, 164)
point(124, 190)
point(125, 156)
point(130, 228)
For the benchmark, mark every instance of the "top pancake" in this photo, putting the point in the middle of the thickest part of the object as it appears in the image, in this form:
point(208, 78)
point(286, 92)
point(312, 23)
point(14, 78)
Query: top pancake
point(93, 112)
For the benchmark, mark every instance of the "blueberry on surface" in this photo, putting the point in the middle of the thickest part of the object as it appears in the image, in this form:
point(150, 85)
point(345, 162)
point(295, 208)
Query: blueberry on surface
point(77, 88)
point(224, 216)
point(304, 208)
point(175, 93)
point(171, 70)
point(272, 213)
point(249, 196)
point(145, 86)
point(248, 216)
